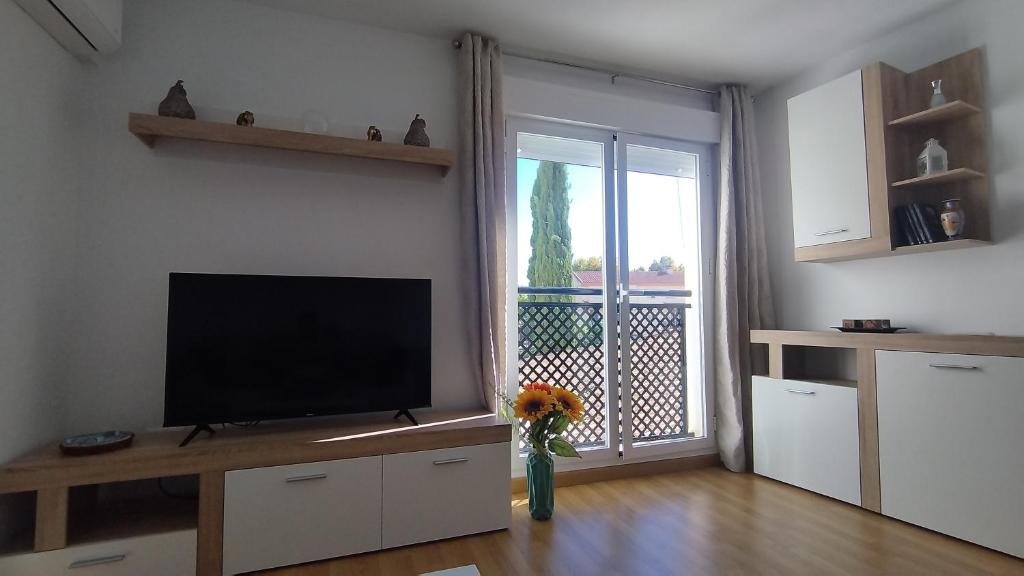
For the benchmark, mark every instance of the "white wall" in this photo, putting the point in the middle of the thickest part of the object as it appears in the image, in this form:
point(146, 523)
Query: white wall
point(542, 90)
point(963, 291)
point(39, 124)
point(186, 206)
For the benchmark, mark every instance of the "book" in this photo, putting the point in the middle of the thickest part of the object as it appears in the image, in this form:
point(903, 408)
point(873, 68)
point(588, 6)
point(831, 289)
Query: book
point(917, 219)
point(905, 227)
point(933, 223)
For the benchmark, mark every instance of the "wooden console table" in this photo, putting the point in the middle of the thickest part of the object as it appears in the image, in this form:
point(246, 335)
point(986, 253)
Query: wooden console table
point(50, 474)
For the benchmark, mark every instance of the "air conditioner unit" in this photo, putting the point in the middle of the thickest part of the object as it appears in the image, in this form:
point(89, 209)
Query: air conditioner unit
point(83, 27)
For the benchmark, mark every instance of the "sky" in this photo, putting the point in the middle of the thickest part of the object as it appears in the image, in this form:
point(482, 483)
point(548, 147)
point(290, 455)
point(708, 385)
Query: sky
point(662, 214)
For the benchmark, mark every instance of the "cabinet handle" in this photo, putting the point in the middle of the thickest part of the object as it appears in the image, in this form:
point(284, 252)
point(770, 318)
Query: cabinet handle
point(450, 461)
point(831, 232)
point(97, 561)
point(955, 366)
point(319, 476)
point(804, 392)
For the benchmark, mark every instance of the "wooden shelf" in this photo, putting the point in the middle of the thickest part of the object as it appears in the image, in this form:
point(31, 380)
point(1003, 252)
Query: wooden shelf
point(126, 517)
point(149, 128)
point(940, 246)
point(949, 111)
point(955, 175)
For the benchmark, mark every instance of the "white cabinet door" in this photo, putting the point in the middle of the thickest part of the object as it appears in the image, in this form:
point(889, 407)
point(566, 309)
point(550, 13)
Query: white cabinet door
point(438, 494)
point(166, 554)
point(285, 515)
point(805, 434)
point(950, 433)
point(828, 163)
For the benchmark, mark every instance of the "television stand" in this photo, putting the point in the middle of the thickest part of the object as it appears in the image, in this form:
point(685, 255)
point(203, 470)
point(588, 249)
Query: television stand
point(408, 415)
point(195, 432)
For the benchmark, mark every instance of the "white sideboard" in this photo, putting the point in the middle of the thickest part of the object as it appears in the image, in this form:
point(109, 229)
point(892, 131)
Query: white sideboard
point(938, 422)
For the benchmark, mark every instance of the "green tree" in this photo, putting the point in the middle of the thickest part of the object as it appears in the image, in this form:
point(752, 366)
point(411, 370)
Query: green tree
point(588, 263)
point(664, 265)
point(551, 240)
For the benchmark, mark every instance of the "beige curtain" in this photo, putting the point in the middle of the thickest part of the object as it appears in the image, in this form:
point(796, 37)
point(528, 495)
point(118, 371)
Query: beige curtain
point(743, 297)
point(482, 188)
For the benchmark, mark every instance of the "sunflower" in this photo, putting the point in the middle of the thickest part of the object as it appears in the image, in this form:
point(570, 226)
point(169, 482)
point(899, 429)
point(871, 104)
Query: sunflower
point(533, 405)
point(538, 386)
point(567, 403)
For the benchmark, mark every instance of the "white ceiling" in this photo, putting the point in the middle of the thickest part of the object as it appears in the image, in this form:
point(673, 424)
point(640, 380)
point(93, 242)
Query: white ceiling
point(758, 42)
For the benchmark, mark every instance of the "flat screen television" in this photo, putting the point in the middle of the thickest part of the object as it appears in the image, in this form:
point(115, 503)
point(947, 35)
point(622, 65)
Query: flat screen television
point(242, 348)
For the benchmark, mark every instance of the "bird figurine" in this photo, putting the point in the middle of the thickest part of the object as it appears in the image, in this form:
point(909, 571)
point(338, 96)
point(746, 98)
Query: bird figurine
point(176, 103)
point(417, 134)
point(373, 134)
point(246, 119)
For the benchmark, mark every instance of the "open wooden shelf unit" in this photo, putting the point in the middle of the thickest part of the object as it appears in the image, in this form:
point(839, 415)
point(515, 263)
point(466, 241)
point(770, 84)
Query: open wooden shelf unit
point(149, 128)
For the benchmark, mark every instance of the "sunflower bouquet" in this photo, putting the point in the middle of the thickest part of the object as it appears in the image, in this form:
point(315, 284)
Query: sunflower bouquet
point(548, 410)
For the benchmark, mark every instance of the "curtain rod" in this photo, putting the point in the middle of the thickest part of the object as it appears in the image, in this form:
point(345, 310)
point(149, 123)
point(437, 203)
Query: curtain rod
point(457, 44)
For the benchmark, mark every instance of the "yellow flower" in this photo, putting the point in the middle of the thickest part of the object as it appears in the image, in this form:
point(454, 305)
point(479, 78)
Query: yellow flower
point(568, 403)
point(533, 405)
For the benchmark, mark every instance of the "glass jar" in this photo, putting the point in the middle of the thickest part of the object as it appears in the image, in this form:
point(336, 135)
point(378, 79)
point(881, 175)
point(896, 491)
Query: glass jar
point(938, 98)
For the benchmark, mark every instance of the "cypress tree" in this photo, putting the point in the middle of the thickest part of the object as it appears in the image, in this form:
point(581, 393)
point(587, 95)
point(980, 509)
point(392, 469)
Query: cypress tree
point(551, 240)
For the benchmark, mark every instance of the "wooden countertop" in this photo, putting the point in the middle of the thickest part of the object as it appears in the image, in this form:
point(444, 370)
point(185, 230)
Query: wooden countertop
point(906, 341)
point(156, 454)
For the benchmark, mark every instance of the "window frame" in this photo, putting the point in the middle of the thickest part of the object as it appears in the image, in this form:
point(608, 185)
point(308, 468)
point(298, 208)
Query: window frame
point(614, 144)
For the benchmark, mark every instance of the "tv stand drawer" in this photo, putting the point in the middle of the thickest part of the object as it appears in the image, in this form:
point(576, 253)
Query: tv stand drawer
point(284, 515)
point(162, 554)
point(436, 494)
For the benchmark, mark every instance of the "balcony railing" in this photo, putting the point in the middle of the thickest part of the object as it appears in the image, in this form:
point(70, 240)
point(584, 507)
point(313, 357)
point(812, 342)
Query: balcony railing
point(561, 340)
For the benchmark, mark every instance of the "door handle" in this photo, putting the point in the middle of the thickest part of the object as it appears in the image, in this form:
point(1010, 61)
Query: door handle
point(802, 392)
point(831, 232)
point(319, 476)
point(97, 561)
point(955, 366)
point(450, 461)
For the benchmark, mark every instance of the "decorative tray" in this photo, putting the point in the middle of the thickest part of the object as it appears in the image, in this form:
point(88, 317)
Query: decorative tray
point(96, 443)
point(889, 330)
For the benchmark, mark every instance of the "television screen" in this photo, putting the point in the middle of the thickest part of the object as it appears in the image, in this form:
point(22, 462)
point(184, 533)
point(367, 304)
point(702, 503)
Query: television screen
point(245, 348)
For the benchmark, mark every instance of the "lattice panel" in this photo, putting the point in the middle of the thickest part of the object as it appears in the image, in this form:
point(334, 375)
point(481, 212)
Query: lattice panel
point(562, 343)
point(658, 371)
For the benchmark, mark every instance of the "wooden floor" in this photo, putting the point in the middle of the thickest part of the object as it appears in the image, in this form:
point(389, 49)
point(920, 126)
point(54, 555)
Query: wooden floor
point(701, 522)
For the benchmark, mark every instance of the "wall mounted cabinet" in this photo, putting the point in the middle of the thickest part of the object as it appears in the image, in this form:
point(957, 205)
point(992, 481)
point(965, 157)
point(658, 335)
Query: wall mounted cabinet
point(853, 145)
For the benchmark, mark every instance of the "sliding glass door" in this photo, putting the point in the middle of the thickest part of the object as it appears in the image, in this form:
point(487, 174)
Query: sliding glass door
point(607, 231)
point(663, 226)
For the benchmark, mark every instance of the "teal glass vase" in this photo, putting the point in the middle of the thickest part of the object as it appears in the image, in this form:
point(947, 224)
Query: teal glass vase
point(540, 483)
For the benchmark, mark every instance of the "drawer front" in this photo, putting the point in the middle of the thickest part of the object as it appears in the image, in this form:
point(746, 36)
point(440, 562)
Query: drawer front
point(949, 441)
point(806, 434)
point(168, 554)
point(284, 515)
point(438, 494)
